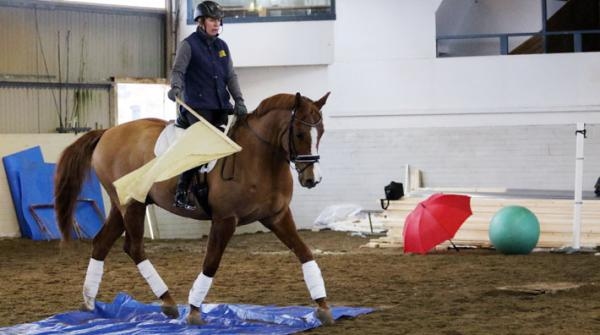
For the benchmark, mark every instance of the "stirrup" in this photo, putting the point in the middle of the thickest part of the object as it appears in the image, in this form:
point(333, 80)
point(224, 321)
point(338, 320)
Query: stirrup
point(181, 202)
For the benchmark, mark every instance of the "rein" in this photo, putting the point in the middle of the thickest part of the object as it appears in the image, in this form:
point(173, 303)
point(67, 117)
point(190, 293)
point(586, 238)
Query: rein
point(294, 157)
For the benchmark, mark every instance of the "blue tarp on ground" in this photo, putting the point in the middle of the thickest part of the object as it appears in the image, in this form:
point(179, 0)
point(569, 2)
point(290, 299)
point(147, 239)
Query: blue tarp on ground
point(31, 183)
point(128, 316)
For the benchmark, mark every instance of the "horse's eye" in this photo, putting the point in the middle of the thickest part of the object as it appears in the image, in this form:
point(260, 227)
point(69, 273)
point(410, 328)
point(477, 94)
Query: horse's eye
point(299, 136)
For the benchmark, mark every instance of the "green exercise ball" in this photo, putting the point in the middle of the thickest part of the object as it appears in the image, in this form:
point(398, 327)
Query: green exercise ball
point(514, 230)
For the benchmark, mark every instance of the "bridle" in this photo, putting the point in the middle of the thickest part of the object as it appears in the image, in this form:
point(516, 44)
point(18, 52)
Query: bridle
point(294, 157)
point(292, 152)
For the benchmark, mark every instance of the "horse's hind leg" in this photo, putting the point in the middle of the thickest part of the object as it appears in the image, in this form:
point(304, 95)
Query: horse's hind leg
point(220, 234)
point(103, 241)
point(134, 247)
point(285, 230)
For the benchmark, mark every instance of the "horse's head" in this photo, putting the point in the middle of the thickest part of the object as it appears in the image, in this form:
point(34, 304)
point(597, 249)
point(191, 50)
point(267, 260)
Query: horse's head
point(305, 131)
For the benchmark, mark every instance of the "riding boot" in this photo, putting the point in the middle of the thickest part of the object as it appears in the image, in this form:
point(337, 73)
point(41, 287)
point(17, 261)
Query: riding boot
point(181, 194)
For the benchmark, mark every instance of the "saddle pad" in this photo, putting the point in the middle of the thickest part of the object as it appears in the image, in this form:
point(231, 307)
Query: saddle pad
point(168, 136)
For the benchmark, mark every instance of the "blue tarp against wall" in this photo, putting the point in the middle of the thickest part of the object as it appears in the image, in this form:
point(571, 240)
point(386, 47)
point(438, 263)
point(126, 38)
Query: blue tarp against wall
point(12, 164)
point(128, 316)
point(31, 183)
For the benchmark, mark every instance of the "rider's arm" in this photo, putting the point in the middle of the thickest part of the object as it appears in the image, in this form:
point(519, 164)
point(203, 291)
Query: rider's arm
point(182, 60)
point(233, 85)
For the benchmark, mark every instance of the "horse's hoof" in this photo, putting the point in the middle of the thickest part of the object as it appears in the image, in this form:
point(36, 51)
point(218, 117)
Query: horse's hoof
point(88, 304)
point(195, 319)
point(85, 308)
point(170, 311)
point(324, 315)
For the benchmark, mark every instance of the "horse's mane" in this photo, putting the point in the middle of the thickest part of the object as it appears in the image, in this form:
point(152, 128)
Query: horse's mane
point(278, 101)
point(281, 101)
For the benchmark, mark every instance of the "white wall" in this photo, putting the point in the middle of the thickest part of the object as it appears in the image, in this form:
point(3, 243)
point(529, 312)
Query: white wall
point(358, 163)
point(471, 91)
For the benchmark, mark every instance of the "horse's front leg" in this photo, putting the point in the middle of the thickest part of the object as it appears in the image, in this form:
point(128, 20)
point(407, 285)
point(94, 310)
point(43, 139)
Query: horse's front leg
point(218, 237)
point(134, 247)
point(285, 229)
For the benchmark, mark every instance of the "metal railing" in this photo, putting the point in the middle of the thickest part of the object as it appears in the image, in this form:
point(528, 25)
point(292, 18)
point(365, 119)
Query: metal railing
point(544, 33)
point(504, 38)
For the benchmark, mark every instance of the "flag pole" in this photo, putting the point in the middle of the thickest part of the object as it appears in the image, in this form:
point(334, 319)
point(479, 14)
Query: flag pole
point(194, 113)
point(189, 109)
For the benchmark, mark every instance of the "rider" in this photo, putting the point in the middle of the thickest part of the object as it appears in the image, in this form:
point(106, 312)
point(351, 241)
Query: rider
point(203, 71)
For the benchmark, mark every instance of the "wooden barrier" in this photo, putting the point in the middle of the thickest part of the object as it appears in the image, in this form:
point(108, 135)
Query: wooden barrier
point(555, 217)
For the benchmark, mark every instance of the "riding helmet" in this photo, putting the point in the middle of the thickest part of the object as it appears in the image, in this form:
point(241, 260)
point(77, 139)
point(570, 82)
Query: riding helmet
point(209, 9)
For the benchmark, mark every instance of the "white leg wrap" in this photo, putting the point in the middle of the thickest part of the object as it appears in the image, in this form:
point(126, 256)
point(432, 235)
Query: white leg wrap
point(93, 277)
point(199, 290)
point(152, 277)
point(314, 280)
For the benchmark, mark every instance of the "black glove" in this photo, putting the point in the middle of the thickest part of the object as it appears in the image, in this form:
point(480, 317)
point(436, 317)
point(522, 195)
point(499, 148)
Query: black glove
point(240, 109)
point(174, 92)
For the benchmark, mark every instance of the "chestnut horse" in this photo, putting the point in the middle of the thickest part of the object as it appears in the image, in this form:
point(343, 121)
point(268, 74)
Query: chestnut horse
point(284, 129)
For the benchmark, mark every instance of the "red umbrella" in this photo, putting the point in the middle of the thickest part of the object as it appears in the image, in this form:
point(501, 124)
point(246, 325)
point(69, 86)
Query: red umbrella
point(434, 221)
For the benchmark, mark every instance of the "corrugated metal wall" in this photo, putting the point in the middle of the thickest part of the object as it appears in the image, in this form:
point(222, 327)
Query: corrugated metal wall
point(59, 60)
point(35, 109)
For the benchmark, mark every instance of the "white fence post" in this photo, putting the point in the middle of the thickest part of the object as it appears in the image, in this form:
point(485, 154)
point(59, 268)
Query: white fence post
point(580, 136)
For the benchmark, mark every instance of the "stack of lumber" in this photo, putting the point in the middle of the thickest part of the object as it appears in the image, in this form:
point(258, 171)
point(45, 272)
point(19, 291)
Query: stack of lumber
point(555, 217)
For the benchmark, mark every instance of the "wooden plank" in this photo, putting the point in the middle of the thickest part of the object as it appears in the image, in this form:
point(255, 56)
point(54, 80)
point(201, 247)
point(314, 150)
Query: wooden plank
point(555, 217)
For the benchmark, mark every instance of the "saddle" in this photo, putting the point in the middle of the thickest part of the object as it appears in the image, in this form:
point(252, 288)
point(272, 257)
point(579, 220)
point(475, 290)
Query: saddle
point(199, 185)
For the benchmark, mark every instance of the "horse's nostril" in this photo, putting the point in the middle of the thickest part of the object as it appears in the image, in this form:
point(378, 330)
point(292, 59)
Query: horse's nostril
point(310, 182)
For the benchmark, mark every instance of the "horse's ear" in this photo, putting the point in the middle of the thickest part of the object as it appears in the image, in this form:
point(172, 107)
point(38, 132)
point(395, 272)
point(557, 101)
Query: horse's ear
point(298, 99)
point(321, 102)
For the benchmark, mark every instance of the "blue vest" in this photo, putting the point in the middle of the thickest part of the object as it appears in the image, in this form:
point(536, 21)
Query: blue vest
point(206, 76)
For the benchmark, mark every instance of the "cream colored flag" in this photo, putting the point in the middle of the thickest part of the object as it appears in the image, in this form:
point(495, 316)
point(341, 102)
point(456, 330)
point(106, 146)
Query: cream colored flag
point(199, 144)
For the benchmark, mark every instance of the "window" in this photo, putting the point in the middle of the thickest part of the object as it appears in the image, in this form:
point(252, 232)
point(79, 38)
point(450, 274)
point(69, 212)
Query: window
point(136, 101)
point(157, 4)
point(491, 27)
point(237, 11)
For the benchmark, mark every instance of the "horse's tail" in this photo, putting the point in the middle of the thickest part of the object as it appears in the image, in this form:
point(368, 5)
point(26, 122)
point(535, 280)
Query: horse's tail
point(71, 171)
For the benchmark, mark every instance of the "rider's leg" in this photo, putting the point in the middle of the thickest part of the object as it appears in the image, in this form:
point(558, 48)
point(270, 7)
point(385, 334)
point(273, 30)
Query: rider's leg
point(182, 192)
point(218, 119)
point(181, 200)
